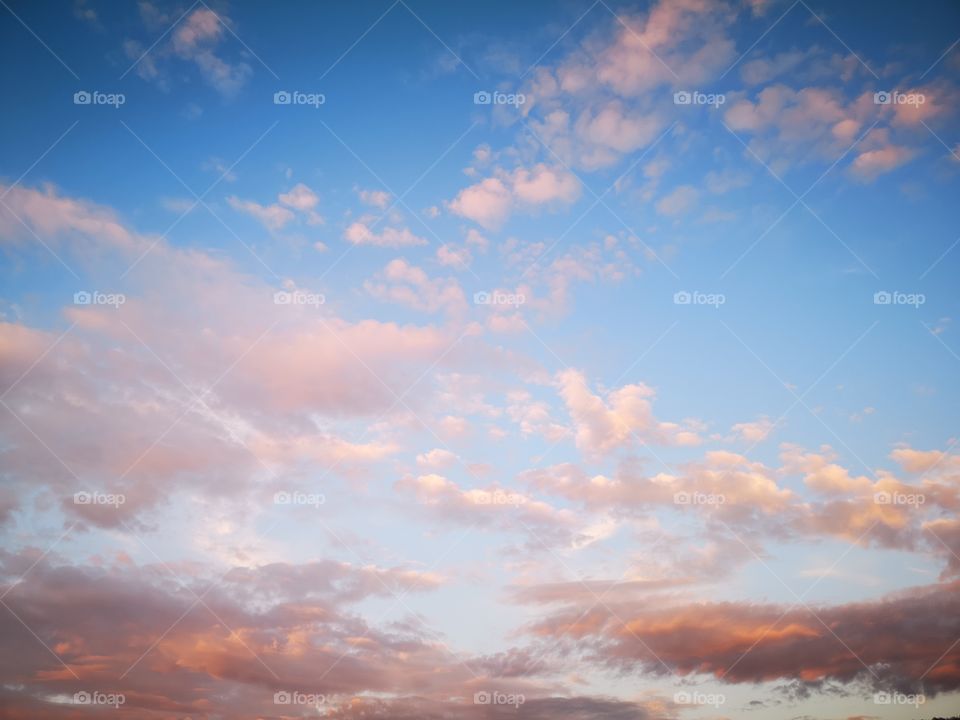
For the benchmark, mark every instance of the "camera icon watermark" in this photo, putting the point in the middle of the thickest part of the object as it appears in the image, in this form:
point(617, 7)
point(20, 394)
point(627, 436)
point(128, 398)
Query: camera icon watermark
point(899, 498)
point(483, 97)
point(497, 497)
point(298, 297)
point(296, 497)
point(883, 297)
point(893, 97)
point(83, 297)
point(95, 97)
point(95, 697)
point(695, 297)
point(899, 698)
point(498, 298)
point(495, 697)
point(296, 97)
point(695, 97)
point(698, 498)
point(295, 697)
point(696, 697)
point(95, 497)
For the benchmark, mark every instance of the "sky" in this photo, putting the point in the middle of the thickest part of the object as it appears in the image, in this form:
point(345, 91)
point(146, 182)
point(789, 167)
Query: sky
point(532, 360)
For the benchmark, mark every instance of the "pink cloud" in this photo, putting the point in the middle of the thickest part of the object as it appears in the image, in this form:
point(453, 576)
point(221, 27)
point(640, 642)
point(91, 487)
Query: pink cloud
point(405, 284)
point(361, 233)
point(487, 203)
point(623, 418)
point(870, 164)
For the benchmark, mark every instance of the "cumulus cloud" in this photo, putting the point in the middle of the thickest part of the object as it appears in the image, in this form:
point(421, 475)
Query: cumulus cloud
point(623, 418)
point(273, 217)
point(362, 233)
point(678, 201)
point(376, 198)
point(299, 200)
point(196, 39)
point(492, 507)
point(487, 203)
point(490, 202)
point(403, 283)
point(871, 163)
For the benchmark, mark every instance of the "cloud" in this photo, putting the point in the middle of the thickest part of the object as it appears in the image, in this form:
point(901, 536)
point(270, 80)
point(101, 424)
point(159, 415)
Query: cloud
point(458, 258)
point(740, 642)
point(273, 217)
point(870, 164)
point(123, 376)
point(679, 201)
point(605, 99)
point(436, 459)
point(796, 126)
point(405, 284)
point(55, 216)
point(195, 39)
point(749, 490)
point(534, 417)
point(491, 201)
point(258, 631)
point(542, 184)
point(674, 41)
point(492, 507)
point(487, 203)
point(599, 135)
point(753, 432)
point(300, 199)
point(534, 708)
point(362, 233)
point(623, 418)
point(376, 198)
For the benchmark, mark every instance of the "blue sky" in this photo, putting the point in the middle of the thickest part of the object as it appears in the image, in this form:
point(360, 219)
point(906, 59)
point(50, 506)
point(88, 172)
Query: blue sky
point(505, 487)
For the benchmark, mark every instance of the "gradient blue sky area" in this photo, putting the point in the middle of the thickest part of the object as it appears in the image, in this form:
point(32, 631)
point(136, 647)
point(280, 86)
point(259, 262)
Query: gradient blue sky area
point(796, 200)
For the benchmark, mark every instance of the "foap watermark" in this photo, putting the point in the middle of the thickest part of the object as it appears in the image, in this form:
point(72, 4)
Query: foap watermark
point(696, 697)
point(286, 697)
point(883, 297)
point(83, 297)
point(498, 298)
point(95, 97)
point(483, 97)
point(695, 97)
point(299, 498)
point(899, 498)
point(298, 297)
point(495, 697)
point(497, 497)
point(95, 497)
point(96, 697)
point(296, 97)
point(698, 498)
point(685, 297)
point(899, 698)
point(893, 97)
